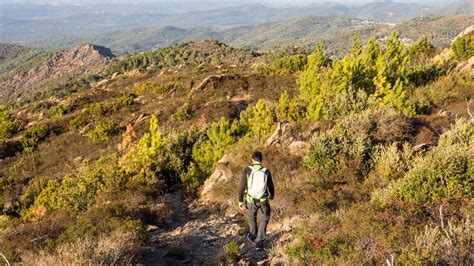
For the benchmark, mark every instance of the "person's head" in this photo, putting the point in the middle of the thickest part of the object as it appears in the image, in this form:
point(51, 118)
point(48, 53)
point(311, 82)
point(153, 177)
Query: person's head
point(257, 156)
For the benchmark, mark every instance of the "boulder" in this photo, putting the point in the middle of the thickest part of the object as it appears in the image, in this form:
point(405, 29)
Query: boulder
point(222, 174)
point(298, 148)
point(283, 135)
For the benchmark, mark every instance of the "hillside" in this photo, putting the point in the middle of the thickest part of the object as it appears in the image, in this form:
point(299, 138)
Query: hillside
point(458, 7)
point(389, 11)
point(371, 155)
point(49, 26)
point(54, 68)
point(335, 31)
point(9, 52)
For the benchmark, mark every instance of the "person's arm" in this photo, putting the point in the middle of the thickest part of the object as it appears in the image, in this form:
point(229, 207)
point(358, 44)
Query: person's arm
point(243, 185)
point(271, 188)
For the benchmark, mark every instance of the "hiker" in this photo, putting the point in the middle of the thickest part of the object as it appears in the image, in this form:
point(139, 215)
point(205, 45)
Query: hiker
point(257, 183)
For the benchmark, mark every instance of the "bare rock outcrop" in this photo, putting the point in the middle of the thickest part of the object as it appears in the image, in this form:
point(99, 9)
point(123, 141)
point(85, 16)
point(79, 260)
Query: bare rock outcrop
point(282, 135)
point(79, 61)
point(211, 81)
point(287, 136)
point(222, 173)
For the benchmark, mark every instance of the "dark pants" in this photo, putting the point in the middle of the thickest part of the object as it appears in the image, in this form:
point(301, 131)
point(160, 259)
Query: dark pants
point(264, 209)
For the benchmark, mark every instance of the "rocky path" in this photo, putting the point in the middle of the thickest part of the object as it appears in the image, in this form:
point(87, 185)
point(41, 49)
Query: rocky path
point(198, 236)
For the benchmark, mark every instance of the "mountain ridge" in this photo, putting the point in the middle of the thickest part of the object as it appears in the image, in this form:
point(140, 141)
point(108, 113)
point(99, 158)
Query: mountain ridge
point(76, 62)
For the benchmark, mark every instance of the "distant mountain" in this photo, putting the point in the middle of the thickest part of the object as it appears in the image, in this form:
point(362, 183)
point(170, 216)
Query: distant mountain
point(459, 7)
point(392, 11)
point(26, 23)
point(296, 31)
point(336, 32)
point(440, 30)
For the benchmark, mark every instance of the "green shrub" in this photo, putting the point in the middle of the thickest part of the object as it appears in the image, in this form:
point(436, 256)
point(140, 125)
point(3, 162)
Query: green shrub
point(168, 87)
point(380, 72)
point(8, 125)
point(75, 192)
point(102, 108)
point(439, 93)
point(347, 102)
point(32, 137)
point(7, 186)
point(286, 65)
point(143, 87)
point(444, 173)
point(390, 163)
point(183, 113)
point(102, 220)
point(32, 190)
point(463, 47)
point(146, 159)
point(232, 251)
point(351, 139)
point(289, 109)
point(77, 122)
point(423, 47)
point(103, 131)
point(259, 119)
point(60, 110)
point(178, 153)
point(219, 136)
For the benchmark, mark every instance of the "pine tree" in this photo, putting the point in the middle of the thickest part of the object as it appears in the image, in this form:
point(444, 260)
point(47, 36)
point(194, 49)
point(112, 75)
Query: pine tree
point(145, 158)
point(283, 107)
point(309, 80)
point(390, 94)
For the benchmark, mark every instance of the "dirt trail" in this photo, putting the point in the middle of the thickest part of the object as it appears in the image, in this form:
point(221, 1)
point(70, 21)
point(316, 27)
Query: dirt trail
point(198, 236)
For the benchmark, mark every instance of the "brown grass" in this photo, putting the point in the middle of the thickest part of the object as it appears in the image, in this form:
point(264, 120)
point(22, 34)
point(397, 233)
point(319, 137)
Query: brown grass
point(118, 248)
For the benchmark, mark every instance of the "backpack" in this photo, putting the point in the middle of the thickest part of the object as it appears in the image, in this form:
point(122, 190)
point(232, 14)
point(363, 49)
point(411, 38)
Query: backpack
point(257, 183)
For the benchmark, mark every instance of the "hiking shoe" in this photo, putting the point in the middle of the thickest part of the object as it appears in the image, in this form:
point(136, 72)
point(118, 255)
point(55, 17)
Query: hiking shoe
point(259, 246)
point(251, 238)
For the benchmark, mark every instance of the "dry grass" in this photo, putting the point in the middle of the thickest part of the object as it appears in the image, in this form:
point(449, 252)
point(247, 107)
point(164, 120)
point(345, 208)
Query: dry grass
point(118, 248)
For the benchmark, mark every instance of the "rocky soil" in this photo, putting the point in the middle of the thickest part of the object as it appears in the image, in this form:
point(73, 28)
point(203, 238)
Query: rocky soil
point(200, 232)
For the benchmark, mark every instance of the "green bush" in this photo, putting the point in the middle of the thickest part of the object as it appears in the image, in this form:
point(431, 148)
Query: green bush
point(146, 159)
point(351, 139)
point(32, 190)
point(390, 163)
point(381, 72)
point(347, 102)
point(286, 65)
point(99, 220)
point(60, 110)
point(103, 131)
point(75, 192)
point(423, 47)
point(32, 137)
point(8, 125)
point(219, 136)
point(178, 153)
point(290, 109)
point(7, 185)
point(102, 108)
point(259, 119)
point(463, 47)
point(77, 122)
point(444, 173)
point(183, 113)
point(232, 251)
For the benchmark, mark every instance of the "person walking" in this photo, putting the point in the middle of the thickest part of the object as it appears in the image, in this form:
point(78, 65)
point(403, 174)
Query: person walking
point(256, 191)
